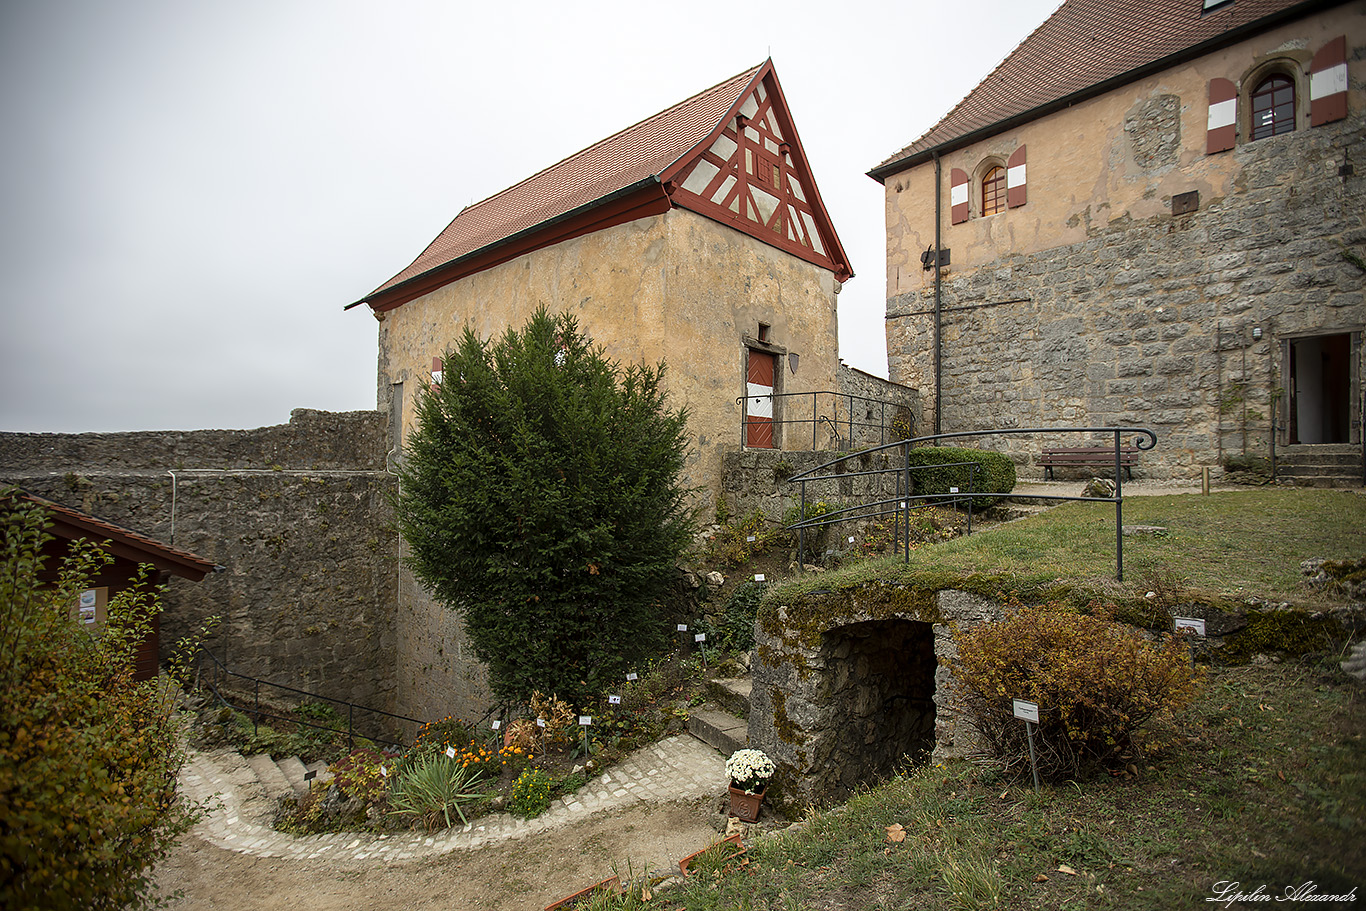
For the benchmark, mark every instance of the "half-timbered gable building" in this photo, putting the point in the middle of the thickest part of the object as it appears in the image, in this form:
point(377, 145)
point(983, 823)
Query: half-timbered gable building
point(696, 237)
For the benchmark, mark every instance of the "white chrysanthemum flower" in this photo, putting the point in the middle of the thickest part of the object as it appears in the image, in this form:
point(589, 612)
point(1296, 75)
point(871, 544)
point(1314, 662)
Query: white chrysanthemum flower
point(749, 769)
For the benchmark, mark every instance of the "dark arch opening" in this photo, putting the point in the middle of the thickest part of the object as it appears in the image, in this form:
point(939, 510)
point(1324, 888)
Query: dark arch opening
point(879, 688)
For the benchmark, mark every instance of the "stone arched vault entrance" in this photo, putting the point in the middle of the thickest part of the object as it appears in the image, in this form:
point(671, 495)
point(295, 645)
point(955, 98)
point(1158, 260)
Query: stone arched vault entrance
point(848, 685)
point(879, 687)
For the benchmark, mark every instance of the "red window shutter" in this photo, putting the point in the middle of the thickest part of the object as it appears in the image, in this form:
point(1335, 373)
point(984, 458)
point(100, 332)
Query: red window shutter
point(1221, 130)
point(958, 196)
point(1328, 83)
point(436, 372)
point(1015, 179)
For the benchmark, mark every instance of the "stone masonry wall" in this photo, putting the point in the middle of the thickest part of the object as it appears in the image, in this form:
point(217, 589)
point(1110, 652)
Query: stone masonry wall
point(873, 423)
point(298, 516)
point(814, 686)
point(758, 479)
point(1154, 322)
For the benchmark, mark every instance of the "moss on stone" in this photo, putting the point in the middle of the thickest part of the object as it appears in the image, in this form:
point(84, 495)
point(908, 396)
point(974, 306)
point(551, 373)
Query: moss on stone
point(786, 729)
point(1290, 632)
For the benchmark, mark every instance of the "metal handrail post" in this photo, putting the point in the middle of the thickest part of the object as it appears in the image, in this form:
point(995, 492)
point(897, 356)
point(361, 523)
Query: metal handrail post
point(1119, 516)
point(906, 487)
point(814, 411)
point(801, 532)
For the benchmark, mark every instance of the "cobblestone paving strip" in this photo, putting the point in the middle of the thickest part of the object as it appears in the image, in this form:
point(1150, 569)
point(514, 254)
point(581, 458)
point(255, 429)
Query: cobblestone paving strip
point(677, 768)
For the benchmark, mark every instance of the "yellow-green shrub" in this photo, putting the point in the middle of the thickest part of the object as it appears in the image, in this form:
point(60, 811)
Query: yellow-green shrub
point(1096, 682)
point(88, 756)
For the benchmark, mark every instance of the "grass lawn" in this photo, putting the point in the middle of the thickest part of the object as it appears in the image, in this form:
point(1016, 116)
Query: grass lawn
point(1262, 782)
point(1225, 546)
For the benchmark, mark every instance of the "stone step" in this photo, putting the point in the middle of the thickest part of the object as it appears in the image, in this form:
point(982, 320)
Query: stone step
point(1298, 449)
point(294, 770)
point(1329, 466)
point(1318, 480)
point(271, 777)
point(731, 694)
point(720, 730)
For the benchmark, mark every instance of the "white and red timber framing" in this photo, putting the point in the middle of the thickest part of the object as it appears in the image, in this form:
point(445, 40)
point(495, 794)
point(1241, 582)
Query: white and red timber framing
point(730, 153)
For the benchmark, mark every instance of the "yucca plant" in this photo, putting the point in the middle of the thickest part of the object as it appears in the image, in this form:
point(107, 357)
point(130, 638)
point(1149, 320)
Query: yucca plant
point(433, 788)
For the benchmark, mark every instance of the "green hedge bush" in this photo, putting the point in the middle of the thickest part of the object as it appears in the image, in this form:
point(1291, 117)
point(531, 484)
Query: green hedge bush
point(996, 474)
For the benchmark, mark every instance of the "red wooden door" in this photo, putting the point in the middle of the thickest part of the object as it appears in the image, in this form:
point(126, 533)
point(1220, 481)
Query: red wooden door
point(759, 407)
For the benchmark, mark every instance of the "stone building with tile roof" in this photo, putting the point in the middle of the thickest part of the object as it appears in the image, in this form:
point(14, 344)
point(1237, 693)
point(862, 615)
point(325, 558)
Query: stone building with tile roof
point(1151, 212)
point(697, 237)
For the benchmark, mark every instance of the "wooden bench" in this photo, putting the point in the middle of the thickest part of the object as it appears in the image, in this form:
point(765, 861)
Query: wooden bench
point(1088, 457)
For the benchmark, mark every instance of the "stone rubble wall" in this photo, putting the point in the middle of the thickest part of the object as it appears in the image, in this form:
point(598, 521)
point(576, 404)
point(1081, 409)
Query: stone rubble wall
point(757, 479)
point(1177, 323)
point(298, 516)
point(814, 690)
point(873, 423)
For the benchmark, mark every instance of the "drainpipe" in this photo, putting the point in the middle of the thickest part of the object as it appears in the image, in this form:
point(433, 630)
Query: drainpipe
point(938, 350)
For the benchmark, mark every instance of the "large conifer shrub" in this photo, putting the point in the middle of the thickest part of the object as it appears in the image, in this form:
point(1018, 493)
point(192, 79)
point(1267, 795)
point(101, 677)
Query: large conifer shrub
point(541, 500)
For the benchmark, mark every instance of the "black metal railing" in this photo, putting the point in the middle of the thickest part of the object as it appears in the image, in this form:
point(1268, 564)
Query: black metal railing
point(849, 419)
point(902, 503)
point(218, 673)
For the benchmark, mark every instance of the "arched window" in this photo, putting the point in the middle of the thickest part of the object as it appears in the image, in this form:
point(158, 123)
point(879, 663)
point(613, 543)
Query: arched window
point(1273, 107)
point(994, 191)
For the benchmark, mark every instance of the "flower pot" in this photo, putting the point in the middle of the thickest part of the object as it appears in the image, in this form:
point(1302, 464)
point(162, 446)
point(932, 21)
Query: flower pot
point(737, 850)
point(610, 885)
point(745, 806)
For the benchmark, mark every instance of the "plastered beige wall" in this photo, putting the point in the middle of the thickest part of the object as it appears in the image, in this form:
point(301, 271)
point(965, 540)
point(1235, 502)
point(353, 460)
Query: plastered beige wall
point(676, 287)
point(1082, 172)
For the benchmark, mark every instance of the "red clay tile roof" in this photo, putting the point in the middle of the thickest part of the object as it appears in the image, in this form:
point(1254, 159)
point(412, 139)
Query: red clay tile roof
point(70, 524)
point(1085, 47)
point(617, 162)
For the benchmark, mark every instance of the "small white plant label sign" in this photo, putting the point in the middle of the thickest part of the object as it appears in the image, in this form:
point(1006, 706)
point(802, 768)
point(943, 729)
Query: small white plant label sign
point(614, 700)
point(383, 772)
point(758, 577)
point(632, 677)
point(682, 627)
point(1026, 711)
point(851, 539)
point(450, 752)
point(1193, 624)
point(497, 724)
point(953, 490)
point(585, 720)
point(750, 539)
point(700, 637)
point(540, 722)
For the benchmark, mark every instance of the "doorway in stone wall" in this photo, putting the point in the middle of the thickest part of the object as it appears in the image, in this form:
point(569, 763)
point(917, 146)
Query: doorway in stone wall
point(879, 690)
point(1319, 380)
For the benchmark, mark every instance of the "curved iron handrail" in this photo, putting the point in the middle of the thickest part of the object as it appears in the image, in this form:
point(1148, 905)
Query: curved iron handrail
point(1144, 440)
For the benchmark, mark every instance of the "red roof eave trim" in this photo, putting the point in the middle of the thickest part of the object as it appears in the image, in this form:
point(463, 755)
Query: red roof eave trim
point(640, 200)
point(69, 524)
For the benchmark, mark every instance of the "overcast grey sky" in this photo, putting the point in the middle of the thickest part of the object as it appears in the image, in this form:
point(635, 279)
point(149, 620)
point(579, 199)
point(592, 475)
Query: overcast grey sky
point(192, 191)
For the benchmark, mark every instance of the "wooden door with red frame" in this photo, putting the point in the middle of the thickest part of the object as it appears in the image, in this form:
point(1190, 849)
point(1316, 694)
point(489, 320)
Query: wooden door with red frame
point(759, 403)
